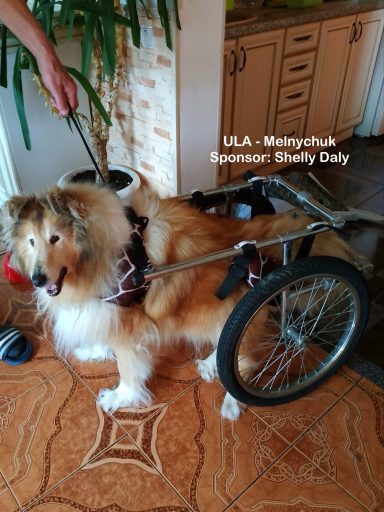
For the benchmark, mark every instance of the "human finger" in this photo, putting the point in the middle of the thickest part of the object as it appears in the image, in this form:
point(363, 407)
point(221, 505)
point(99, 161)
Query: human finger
point(71, 93)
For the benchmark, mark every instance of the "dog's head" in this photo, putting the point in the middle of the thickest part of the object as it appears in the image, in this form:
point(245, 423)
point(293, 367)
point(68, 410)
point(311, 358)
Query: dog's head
point(46, 236)
point(53, 236)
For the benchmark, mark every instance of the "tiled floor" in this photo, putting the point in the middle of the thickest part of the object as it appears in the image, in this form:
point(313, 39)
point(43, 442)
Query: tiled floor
point(60, 452)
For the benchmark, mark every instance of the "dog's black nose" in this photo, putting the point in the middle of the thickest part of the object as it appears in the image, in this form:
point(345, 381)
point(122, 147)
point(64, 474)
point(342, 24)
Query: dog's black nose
point(39, 279)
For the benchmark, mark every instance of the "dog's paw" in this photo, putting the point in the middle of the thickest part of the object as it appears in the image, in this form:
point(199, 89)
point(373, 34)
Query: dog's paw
point(123, 396)
point(94, 353)
point(207, 368)
point(231, 408)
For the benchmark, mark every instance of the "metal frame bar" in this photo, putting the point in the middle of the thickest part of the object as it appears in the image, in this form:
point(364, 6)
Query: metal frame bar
point(330, 220)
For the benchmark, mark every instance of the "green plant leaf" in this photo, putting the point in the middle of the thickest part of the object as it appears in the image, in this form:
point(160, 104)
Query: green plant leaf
point(71, 21)
point(145, 9)
point(46, 16)
point(19, 99)
point(135, 28)
point(65, 11)
point(91, 93)
point(108, 22)
point(119, 18)
point(68, 121)
point(87, 42)
point(164, 18)
point(177, 19)
point(3, 58)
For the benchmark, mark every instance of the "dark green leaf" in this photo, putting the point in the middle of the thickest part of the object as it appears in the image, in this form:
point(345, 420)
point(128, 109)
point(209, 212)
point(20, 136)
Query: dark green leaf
point(164, 18)
point(19, 99)
point(177, 19)
point(122, 20)
point(87, 42)
point(3, 58)
point(135, 28)
point(65, 11)
point(108, 22)
point(68, 121)
point(145, 9)
point(91, 93)
point(70, 24)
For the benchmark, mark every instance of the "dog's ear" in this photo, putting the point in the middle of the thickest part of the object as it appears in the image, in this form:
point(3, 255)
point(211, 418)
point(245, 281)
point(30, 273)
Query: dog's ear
point(63, 201)
point(14, 206)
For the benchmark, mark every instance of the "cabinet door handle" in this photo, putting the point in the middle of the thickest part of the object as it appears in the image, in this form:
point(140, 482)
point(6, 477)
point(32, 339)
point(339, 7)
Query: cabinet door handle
point(244, 58)
point(295, 95)
point(300, 39)
point(289, 134)
point(359, 32)
point(299, 68)
point(233, 54)
point(353, 33)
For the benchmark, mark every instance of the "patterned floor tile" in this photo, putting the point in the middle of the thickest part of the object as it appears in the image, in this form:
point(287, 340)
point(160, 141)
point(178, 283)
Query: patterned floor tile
point(50, 432)
point(7, 501)
point(121, 479)
point(348, 444)
point(23, 315)
point(209, 460)
point(290, 420)
point(43, 364)
point(174, 373)
point(294, 484)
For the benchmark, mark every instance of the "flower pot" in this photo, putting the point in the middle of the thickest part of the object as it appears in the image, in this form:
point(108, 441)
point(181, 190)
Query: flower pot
point(123, 193)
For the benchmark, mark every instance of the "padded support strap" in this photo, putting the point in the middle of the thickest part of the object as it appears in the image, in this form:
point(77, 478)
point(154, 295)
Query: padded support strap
point(305, 247)
point(237, 271)
point(261, 205)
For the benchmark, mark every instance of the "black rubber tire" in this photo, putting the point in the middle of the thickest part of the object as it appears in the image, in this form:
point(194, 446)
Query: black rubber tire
point(260, 295)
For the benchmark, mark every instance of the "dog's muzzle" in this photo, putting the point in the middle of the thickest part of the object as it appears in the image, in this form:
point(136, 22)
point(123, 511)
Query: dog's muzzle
point(53, 288)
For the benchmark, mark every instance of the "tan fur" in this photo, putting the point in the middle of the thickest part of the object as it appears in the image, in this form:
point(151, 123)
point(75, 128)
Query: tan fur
point(93, 229)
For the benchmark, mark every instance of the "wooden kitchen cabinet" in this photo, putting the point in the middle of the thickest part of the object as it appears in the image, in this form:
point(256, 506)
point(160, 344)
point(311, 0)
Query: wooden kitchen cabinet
point(331, 65)
point(254, 96)
point(346, 57)
point(361, 63)
point(229, 70)
point(308, 80)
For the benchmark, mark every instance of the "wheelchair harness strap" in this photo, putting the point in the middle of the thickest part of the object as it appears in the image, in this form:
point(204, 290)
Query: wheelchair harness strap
point(133, 260)
point(248, 266)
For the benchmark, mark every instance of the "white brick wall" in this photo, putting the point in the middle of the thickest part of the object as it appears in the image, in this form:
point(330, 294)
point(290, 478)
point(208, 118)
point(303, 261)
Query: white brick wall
point(143, 132)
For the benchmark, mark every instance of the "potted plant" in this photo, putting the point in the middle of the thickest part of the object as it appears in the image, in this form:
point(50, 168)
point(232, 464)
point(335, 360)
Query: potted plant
point(102, 24)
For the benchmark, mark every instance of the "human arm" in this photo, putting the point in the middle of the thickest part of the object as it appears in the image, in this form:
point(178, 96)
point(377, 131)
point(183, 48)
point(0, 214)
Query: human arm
point(20, 21)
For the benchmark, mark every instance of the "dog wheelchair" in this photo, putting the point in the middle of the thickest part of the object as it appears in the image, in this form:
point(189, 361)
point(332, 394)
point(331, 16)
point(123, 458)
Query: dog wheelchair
point(315, 308)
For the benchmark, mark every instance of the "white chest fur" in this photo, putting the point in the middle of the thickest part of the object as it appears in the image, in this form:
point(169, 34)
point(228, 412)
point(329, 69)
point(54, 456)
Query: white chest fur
point(85, 326)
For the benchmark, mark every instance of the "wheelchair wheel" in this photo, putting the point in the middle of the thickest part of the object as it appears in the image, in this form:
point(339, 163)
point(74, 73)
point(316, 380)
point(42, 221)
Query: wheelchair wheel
point(293, 330)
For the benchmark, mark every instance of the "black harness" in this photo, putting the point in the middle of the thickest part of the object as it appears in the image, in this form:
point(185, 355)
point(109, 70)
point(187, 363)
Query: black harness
point(133, 260)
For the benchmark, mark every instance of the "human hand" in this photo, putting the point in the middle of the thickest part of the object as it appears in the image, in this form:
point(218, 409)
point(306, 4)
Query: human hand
point(59, 83)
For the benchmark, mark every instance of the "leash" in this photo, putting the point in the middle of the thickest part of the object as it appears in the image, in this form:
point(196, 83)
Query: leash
point(76, 123)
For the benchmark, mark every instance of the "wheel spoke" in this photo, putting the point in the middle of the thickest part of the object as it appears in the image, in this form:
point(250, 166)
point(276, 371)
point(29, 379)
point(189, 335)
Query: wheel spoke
point(319, 319)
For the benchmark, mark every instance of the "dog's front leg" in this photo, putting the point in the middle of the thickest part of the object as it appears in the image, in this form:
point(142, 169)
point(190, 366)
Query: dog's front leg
point(135, 367)
point(132, 349)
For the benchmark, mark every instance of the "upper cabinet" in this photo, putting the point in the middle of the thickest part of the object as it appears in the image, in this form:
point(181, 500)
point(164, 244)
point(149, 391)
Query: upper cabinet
point(345, 61)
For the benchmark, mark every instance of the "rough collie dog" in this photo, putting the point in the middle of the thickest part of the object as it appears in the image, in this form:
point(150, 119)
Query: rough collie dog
point(69, 242)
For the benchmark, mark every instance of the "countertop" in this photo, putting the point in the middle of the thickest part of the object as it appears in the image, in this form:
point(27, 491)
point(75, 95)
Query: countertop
point(273, 18)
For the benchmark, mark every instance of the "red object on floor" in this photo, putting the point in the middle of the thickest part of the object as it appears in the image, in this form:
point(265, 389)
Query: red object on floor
point(11, 274)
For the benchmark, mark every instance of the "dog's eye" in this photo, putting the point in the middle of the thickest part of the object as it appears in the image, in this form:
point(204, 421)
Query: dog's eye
point(54, 239)
point(32, 242)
